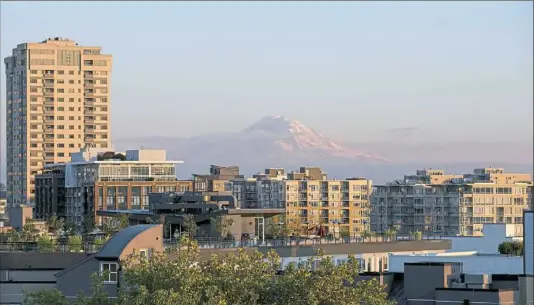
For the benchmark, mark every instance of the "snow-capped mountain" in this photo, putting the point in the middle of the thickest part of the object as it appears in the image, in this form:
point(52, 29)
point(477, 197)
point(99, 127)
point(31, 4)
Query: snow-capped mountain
point(280, 142)
point(270, 141)
point(293, 136)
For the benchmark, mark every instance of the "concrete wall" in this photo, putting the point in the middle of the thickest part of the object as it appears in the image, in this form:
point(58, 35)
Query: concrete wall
point(18, 215)
point(435, 275)
point(529, 242)
point(473, 264)
point(526, 289)
point(385, 279)
point(146, 155)
point(480, 296)
point(357, 248)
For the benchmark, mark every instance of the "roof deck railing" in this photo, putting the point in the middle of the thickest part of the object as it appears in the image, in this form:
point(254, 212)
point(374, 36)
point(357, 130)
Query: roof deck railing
point(214, 243)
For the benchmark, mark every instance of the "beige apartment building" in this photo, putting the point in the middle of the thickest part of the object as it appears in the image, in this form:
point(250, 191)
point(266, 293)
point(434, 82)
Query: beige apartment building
point(311, 200)
point(58, 95)
point(218, 180)
point(434, 203)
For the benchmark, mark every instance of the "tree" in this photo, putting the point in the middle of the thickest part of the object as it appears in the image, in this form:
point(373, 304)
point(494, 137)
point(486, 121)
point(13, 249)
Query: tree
point(221, 225)
point(55, 225)
point(69, 228)
point(29, 232)
point(417, 235)
point(390, 234)
point(295, 226)
point(111, 155)
point(88, 225)
point(116, 224)
point(46, 244)
point(75, 243)
point(236, 279)
point(277, 227)
point(48, 296)
point(345, 232)
point(11, 236)
point(98, 242)
point(512, 248)
point(367, 234)
point(190, 225)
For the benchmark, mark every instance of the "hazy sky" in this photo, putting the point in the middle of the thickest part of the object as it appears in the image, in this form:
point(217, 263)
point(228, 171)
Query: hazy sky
point(351, 70)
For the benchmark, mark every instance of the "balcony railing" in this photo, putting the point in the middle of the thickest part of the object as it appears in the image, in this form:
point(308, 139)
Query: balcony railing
point(210, 243)
point(36, 247)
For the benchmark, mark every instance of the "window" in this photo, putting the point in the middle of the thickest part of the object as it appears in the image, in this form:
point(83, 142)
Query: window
point(110, 272)
point(143, 253)
point(71, 81)
point(61, 90)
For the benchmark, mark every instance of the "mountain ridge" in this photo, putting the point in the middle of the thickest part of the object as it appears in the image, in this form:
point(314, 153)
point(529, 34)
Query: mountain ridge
point(279, 141)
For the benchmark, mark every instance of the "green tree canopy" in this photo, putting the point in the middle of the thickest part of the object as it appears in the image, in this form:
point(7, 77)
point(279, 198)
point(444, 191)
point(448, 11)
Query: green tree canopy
point(55, 225)
point(514, 248)
point(241, 279)
point(29, 232)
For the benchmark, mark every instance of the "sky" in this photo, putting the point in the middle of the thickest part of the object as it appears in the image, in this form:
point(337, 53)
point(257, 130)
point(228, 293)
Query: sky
point(355, 71)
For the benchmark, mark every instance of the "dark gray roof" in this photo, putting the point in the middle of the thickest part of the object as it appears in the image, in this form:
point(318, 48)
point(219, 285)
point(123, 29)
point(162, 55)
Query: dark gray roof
point(39, 260)
point(114, 247)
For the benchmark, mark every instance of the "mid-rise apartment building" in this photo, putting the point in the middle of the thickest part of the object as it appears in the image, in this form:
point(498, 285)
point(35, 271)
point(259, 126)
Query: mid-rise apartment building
point(77, 190)
point(263, 190)
point(310, 198)
point(218, 180)
point(434, 203)
point(57, 101)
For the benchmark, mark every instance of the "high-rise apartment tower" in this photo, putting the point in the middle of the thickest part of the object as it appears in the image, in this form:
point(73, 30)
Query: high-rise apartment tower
point(57, 102)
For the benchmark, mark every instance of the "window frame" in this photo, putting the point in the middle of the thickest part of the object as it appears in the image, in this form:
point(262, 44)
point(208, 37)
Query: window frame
point(116, 272)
